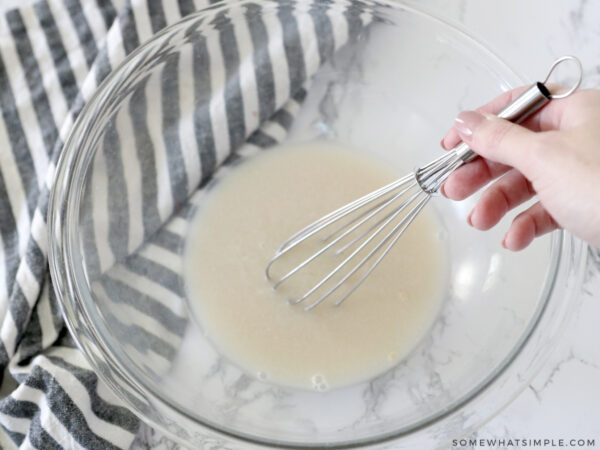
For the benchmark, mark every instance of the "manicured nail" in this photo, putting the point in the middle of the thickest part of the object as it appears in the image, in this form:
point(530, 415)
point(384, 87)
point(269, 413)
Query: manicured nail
point(469, 221)
point(467, 122)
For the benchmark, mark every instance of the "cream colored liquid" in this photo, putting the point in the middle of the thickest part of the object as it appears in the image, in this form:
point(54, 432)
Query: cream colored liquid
point(241, 223)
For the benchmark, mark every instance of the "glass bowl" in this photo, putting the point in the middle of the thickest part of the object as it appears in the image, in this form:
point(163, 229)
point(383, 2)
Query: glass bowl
point(378, 76)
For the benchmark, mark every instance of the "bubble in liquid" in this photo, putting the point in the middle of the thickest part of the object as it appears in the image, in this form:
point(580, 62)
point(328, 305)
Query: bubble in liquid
point(322, 387)
point(319, 383)
point(317, 379)
point(261, 376)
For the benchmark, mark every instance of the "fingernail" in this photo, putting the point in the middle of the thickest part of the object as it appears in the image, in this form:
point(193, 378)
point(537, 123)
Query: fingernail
point(443, 191)
point(504, 242)
point(442, 144)
point(467, 122)
point(469, 221)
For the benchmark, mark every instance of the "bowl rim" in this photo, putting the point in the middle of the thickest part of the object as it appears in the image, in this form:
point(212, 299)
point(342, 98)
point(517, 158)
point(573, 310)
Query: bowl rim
point(62, 214)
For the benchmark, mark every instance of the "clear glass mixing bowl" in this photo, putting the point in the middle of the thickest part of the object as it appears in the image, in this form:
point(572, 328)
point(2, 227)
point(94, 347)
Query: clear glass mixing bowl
point(379, 76)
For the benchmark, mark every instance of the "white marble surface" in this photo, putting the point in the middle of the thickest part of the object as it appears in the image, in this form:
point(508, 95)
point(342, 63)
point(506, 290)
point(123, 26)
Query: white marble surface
point(563, 400)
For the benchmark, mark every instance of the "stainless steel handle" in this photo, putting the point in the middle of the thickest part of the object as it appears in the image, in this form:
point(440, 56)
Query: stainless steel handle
point(518, 110)
point(530, 101)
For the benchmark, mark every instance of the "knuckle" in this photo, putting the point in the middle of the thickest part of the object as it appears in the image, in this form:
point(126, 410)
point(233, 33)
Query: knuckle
point(505, 202)
point(497, 198)
point(523, 215)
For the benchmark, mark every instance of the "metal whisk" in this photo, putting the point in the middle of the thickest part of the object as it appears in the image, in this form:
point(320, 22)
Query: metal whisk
point(375, 222)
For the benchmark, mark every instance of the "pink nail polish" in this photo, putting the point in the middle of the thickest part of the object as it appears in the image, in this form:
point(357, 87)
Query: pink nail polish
point(467, 122)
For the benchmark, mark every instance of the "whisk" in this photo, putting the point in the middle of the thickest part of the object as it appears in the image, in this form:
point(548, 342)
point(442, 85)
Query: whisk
point(364, 231)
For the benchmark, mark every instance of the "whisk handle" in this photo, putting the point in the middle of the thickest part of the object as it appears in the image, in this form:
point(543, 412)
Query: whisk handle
point(530, 101)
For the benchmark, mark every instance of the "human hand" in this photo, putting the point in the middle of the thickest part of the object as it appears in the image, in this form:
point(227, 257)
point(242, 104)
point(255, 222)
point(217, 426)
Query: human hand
point(555, 154)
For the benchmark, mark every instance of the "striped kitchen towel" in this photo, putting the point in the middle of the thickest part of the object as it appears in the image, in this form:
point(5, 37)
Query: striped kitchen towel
point(53, 56)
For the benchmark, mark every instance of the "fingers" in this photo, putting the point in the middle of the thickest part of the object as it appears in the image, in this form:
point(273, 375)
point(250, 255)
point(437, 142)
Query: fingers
point(468, 179)
point(531, 223)
point(503, 145)
point(452, 138)
point(505, 194)
point(548, 118)
point(500, 141)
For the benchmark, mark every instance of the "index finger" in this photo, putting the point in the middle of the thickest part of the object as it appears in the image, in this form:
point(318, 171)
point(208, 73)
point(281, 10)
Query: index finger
point(548, 118)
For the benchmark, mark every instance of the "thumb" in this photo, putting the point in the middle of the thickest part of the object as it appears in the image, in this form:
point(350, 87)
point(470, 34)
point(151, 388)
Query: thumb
point(498, 140)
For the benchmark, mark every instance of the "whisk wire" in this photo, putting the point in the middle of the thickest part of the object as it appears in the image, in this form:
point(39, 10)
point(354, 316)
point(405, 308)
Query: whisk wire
point(350, 230)
point(413, 214)
point(431, 176)
point(342, 212)
point(358, 217)
point(348, 258)
point(368, 230)
point(402, 226)
point(331, 218)
point(425, 181)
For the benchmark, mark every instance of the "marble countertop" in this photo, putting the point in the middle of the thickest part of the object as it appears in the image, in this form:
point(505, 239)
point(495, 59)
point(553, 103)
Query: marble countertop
point(563, 400)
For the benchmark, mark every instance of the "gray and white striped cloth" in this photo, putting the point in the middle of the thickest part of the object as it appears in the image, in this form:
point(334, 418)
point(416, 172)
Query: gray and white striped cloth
point(53, 55)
